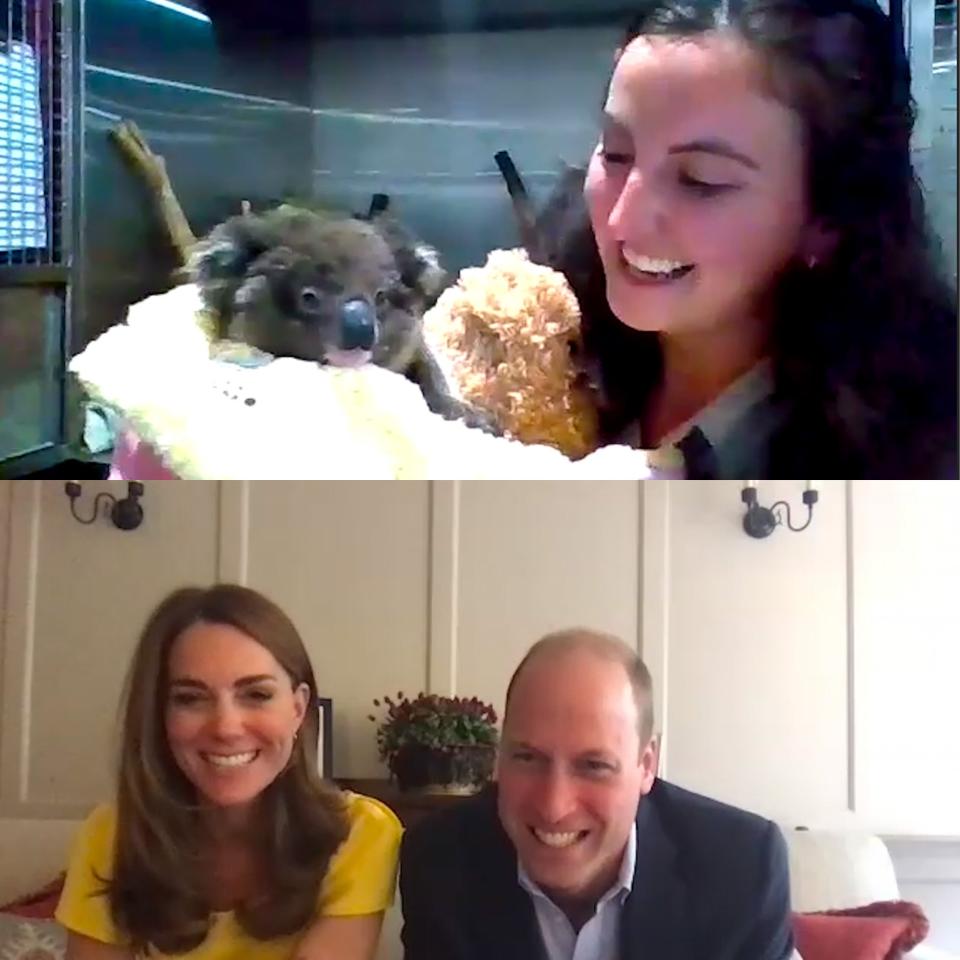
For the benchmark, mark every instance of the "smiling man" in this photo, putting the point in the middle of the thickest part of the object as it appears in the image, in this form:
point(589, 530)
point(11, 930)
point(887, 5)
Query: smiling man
point(579, 852)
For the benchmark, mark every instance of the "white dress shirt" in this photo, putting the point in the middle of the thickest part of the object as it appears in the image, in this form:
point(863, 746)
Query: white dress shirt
point(599, 937)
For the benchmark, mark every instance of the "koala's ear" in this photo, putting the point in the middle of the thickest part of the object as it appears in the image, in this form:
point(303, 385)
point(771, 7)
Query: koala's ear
point(561, 214)
point(219, 262)
point(420, 269)
point(418, 262)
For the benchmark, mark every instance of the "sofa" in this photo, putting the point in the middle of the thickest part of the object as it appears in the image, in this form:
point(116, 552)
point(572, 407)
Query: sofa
point(835, 870)
point(828, 870)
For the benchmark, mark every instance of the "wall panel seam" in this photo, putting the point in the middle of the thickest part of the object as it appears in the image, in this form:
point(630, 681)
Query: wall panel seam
point(442, 582)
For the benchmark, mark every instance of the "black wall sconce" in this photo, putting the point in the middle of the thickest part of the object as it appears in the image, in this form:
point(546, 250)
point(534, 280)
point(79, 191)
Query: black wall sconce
point(759, 522)
point(126, 514)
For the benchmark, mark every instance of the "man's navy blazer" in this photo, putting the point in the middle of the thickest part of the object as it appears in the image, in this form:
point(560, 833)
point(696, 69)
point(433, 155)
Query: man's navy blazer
point(711, 883)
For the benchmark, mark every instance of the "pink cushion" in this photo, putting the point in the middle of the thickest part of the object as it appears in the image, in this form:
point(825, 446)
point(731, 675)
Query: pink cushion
point(823, 937)
point(40, 904)
point(135, 459)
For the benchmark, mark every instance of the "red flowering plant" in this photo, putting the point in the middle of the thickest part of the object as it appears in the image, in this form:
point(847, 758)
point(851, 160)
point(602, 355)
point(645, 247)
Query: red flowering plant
point(431, 741)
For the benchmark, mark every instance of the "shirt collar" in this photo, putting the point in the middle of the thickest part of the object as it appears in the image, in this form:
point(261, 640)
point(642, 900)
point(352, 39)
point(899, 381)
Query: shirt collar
point(736, 426)
point(718, 418)
point(622, 886)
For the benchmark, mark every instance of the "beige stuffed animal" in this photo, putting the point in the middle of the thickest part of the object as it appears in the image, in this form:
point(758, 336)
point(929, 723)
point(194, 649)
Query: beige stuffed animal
point(504, 336)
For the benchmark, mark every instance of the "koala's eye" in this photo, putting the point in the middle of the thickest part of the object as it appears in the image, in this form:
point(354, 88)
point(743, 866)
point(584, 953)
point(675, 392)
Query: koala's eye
point(381, 298)
point(279, 260)
point(310, 301)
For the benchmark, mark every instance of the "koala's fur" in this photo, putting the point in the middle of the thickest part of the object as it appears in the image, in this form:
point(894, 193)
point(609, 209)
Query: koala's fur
point(254, 272)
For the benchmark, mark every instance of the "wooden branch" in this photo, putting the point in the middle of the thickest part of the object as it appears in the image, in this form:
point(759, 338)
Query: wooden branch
point(522, 208)
point(153, 170)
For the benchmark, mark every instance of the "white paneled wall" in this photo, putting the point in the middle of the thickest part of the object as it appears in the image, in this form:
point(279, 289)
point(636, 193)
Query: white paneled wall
point(811, 676)
point(755, 637)
point(536, 557)
point(929, 874)
point(76, 596)
point(349, 562)
point(905, 538)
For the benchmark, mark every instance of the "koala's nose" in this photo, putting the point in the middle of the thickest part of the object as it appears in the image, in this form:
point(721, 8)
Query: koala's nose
point(358, 325)
point(310, 302)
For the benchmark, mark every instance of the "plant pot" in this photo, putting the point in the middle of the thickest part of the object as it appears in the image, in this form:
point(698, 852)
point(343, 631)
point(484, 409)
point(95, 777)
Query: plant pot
point(462, 769)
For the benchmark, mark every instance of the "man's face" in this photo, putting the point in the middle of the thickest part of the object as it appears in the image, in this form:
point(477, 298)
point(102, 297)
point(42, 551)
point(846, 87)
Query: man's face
point(571, 772)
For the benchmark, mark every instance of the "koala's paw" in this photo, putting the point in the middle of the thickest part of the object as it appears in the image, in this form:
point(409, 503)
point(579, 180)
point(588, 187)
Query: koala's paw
point(452, 409)
point(221, 255)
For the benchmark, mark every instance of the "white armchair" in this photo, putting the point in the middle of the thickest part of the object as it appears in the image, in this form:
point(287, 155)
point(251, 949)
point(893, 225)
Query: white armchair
point(833, 870)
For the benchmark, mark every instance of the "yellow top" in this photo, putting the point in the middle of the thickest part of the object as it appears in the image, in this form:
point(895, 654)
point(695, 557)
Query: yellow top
point(361, 879)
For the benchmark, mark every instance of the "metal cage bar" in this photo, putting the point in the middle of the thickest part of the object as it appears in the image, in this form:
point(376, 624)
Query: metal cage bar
point(945, 35)
point(34, 154)
point(41, 96)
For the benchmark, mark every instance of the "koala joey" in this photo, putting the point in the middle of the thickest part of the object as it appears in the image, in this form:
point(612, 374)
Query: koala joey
point(331, 289)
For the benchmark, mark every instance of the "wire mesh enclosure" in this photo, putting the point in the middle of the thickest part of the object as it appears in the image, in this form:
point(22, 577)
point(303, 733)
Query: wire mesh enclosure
point(39, 59)
point(33, 132)
point(945, 35)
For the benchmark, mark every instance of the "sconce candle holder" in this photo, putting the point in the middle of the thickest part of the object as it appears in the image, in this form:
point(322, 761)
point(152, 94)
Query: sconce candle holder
point(126, 514)
point(759, 522)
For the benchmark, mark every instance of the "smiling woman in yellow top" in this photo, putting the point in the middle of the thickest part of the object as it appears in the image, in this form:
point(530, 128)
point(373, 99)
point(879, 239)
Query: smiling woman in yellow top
point(223, 843)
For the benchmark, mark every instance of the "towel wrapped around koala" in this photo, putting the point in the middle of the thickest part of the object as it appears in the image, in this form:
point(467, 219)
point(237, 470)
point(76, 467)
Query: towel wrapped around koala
point(212, 418)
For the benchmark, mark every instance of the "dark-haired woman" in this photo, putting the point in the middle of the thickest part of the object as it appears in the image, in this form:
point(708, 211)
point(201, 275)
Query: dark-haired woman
point(753, 264)
point(223, 843)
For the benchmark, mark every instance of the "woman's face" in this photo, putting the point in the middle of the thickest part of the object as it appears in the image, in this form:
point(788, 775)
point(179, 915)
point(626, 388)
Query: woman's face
point(696, 188)
point(231, 713)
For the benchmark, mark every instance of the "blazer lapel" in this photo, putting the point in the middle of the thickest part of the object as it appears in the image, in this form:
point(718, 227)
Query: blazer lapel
point(510, 931)
point(655, 921)
point(504, 922)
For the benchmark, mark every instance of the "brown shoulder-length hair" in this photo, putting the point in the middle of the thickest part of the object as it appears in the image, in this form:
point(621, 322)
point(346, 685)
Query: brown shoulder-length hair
point(864, 346)
point(158, 893)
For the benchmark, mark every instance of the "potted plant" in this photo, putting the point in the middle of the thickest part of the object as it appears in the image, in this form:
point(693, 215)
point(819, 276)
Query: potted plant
point(437, 744)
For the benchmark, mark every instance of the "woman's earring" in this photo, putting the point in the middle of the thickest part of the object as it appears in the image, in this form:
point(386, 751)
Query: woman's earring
point(812, 260)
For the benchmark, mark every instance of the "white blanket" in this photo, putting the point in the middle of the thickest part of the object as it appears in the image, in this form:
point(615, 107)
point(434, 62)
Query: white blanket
point(212, 419)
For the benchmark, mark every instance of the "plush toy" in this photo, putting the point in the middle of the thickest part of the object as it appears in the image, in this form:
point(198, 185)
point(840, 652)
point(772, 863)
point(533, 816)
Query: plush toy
point(504, 337)
point(213, 410)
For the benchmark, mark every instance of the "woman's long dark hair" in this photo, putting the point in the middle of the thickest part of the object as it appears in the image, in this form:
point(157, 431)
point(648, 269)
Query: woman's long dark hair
point(864, 346)
point(159, 893)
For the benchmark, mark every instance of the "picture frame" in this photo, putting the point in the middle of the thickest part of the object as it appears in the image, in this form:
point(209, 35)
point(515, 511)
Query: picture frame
point(325, 737)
